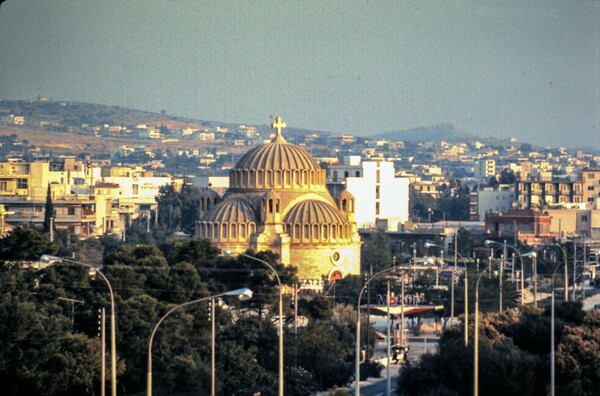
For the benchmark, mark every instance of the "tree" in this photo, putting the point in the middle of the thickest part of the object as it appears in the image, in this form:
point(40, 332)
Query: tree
point(25, 242)
point(376, 253)
point(49, 211)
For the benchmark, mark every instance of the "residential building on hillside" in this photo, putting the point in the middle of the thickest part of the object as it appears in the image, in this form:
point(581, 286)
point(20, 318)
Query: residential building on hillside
point(561, 192)
point(485, 168)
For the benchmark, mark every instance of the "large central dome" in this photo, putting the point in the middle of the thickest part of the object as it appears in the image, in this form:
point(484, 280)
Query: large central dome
point(277, 155)
point(277, 165)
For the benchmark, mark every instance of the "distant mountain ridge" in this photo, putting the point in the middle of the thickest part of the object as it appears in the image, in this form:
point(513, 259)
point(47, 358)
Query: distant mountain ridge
point(445, 132)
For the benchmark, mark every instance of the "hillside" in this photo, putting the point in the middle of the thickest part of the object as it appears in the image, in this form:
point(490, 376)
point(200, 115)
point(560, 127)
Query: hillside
point(446, 132)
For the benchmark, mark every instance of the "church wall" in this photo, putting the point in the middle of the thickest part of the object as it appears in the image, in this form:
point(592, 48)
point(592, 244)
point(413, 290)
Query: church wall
point(316, 261)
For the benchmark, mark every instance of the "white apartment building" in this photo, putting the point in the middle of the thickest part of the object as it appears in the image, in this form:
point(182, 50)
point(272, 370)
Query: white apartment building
point(381, 198)
point(490, 199)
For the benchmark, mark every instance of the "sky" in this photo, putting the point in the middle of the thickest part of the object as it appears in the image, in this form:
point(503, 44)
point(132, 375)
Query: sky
point(523, 69)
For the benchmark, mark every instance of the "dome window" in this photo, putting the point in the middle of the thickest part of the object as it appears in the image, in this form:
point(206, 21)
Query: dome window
point(224, 231)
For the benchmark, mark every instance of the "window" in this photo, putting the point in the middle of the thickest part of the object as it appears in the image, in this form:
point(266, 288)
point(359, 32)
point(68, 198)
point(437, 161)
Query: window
point(357, 174)
point(315, 231)
point(297, 231)
point(71, 211)
point(260, 178)
point(590, 188)
point(591, 176)
point(3, 186)
point(306, 231)
point(376, 208)
point(376, 192)
point(22, 183)
point(335, 175)
point(377, 176)
point(584, 218)
point(346, 174)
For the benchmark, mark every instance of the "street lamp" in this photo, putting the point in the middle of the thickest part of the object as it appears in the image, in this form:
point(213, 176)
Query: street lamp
point(52, 260)
point(357, 352)
point(552, 369)
point(476, 339)
point(533, 256)
point(229, 253)
point(428, 245)
point(243, 294)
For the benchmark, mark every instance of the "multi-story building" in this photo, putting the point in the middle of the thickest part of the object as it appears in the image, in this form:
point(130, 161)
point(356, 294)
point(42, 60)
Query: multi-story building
point(381, 197)
point(88, 199)
point(540, 194)
point(490, 199)
point(485, 168)
point(527, 225)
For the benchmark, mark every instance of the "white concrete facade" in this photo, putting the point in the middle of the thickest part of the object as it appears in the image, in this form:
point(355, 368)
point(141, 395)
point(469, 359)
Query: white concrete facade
point(494, 200)
point(379, 194)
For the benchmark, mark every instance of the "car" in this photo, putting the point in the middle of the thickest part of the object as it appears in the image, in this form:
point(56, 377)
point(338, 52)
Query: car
point(596, 307)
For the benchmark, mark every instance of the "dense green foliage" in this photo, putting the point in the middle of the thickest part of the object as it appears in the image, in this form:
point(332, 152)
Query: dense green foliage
point(513, 356)
point(49, 336)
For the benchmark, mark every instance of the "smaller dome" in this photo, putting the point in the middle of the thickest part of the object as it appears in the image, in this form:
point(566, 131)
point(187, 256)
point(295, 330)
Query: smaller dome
point(314, 212)
point(234, 210)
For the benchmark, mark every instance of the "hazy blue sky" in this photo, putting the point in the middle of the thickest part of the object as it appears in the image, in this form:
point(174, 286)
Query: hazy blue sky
point(528, 69)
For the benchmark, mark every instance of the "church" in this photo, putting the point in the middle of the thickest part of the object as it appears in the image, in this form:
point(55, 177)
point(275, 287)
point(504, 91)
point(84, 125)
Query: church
point(277, 200)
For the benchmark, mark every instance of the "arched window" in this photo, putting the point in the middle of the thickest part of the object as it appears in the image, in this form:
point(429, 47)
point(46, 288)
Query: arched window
point(315, 232)
point(261, 176)
point(277, 206)
point(306, 232)
point(207, 204)
point(269, 178)
point(287, 178)
point(296, 178)
point(224, 231)
point(325, 232)
point(202, 204)
point(252, 229)
point(215, 231)
point(270, 206)
point(288, 229)
point(333, 232)
point(243, 231)
point(344, 205)
point(251, 177)
point(278, 178)
point(297, 231)
point(234, 231)
point(312, 177)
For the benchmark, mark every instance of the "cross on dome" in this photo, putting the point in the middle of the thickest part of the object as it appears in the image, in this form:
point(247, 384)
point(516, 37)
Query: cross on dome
point(278, 125)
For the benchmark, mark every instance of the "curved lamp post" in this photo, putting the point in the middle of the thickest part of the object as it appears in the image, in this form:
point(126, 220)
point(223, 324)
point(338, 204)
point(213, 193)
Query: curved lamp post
point(280, 385)
point(113, 348)
point(552, 369)
point(244, 293)
point(428, 245)
point(564, 252)
point(533, 256)
point(357, 351)
point(476, 339)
